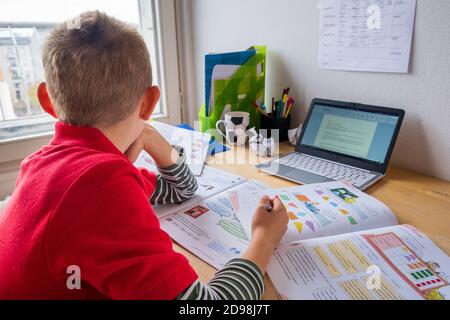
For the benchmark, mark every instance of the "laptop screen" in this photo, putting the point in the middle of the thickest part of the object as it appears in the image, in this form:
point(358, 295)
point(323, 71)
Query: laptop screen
point(351, 132)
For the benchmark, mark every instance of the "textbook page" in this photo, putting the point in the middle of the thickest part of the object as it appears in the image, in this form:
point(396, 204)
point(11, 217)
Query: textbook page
point(194, 143)
point(392, 263)
point(211, 182)
point(323, 209)
point(210, 229)
point(366, 35)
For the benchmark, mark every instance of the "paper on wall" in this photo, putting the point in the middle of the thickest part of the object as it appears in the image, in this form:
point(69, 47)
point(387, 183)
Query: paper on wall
point(366, 35)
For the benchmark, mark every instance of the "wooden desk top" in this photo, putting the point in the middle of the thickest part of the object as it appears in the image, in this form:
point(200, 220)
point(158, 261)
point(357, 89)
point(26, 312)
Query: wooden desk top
point(416, 199)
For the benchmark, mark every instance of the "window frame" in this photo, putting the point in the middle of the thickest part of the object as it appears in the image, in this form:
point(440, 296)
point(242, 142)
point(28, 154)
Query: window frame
point(164, 28)
point(165, 31)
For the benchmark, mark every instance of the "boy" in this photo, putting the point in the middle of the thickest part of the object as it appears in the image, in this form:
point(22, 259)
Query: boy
point(80, 224)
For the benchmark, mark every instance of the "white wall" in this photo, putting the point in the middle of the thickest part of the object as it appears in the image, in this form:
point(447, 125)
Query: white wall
point(290, 30)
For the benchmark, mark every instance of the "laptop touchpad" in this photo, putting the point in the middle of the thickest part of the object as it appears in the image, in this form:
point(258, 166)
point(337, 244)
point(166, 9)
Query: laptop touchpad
point(306, 177)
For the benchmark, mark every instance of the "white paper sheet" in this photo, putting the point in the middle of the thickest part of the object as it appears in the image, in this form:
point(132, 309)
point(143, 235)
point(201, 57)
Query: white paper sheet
point(195, 146)
point(366, 35)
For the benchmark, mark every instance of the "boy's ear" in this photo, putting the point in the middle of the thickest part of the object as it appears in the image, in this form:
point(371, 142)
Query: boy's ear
point(44, 100)
point(151, 98)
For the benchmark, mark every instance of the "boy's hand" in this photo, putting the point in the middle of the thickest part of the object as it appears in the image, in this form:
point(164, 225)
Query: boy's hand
point(269, 227)
point(132, 153)
point(155, 145)
point(267, 230)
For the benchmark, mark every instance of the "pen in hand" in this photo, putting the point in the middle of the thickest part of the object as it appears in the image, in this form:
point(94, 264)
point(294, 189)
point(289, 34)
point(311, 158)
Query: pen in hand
point(269, 206)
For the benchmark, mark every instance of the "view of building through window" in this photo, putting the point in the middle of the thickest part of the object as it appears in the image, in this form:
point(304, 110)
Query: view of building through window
point(21, 68)
point(22, 33)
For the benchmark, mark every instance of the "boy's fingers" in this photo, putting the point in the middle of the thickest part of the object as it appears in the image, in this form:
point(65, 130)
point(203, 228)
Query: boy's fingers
point(263, 201)
point(277, 204)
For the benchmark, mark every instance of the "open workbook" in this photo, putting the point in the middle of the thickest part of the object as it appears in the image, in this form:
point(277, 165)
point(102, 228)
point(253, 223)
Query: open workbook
point(341, 243)
point(344, 244)
point(206, 224)
point(209, 227)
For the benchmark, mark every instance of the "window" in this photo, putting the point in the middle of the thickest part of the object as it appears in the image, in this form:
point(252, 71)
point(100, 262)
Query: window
point(24, 25)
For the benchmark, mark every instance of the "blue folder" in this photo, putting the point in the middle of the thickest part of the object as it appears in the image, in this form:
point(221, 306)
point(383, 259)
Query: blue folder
point(229, 58)
point(214, 146)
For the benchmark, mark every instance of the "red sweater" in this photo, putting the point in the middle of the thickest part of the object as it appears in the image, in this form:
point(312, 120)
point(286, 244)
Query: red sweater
point(80, 202)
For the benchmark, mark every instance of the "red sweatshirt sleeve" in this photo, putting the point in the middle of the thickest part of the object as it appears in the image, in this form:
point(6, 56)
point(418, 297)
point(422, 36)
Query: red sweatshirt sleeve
point(106, 226)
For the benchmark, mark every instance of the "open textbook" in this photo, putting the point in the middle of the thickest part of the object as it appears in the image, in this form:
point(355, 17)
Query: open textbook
point(344, 244)
point(210, 183)
point(390, 263)
point(323, 209)
point(206, 224)
point(210, 228)
point(341, 243)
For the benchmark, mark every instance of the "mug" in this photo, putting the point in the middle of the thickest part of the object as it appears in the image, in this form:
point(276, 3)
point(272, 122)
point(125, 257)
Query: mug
point(235, 124)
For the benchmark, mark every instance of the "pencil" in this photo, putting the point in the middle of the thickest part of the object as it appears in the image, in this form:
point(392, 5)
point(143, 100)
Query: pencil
point(290, 104)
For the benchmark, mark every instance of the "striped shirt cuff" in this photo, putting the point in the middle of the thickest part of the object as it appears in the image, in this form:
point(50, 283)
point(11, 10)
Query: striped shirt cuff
point(175, 183)
point(181, 160)
point(240, 279)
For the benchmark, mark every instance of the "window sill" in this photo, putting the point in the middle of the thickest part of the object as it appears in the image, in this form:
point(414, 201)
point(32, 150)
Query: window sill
point(26, 128)
point(35, 136)
point(16, 149)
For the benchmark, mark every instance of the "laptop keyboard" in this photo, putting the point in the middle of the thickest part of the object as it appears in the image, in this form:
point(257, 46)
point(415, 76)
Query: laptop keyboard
point(331, 170)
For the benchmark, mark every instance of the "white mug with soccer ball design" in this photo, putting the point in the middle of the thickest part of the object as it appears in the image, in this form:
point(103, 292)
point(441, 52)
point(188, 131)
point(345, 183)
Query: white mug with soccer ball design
point(235, 125)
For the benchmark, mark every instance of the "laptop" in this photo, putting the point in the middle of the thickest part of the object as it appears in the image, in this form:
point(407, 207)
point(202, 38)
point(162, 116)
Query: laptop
point(341, 141)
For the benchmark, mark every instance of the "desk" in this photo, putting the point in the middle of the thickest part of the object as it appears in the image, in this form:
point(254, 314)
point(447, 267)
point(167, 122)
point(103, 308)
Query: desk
point(416, 199)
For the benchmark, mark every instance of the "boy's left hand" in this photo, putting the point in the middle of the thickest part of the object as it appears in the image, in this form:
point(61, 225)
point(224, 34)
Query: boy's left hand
point(155, 145)
point(135, 149)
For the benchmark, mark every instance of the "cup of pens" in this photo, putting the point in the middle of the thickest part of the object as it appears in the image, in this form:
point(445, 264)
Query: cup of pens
point(276, 118)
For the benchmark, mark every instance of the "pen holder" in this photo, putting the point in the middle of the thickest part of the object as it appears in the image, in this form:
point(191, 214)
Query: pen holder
point(268, 125)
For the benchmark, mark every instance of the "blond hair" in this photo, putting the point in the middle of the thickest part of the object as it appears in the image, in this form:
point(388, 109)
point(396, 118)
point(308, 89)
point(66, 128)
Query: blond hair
point(96, 69)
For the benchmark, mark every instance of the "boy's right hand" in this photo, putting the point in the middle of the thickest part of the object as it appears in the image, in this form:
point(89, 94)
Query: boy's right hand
point(269, 226)
point(267, 230)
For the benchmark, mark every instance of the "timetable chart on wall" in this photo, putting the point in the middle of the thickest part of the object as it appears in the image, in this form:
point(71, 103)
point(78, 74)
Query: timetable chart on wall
point(405, 262)
point(366, 35)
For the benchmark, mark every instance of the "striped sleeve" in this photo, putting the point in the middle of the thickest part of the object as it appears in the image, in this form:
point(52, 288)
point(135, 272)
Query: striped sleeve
point(240, 279)
point(176, 183)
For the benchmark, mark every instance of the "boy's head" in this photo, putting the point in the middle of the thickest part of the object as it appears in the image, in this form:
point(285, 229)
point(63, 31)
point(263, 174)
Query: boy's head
point(98, 72)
